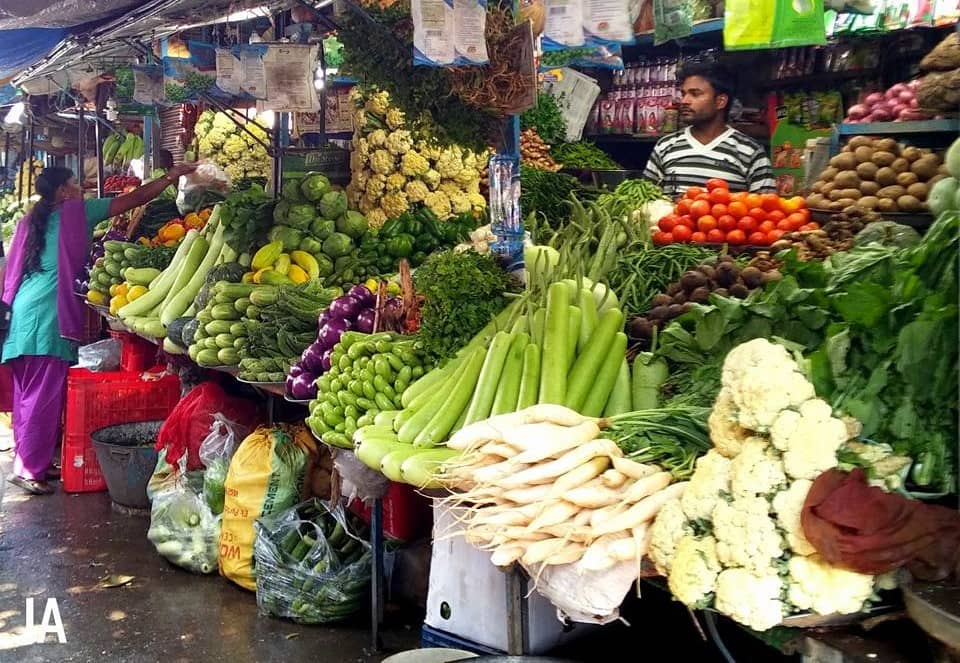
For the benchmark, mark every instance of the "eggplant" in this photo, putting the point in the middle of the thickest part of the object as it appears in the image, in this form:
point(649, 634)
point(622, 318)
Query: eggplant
point(365, 321)
point(330, 333)
point(363, 293)
point(312, 358)
point(327, 359)
point(345, 307)
point(303, 387)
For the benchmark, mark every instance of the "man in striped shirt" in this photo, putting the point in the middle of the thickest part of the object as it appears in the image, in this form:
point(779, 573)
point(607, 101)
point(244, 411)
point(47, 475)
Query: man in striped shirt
point(708, 147)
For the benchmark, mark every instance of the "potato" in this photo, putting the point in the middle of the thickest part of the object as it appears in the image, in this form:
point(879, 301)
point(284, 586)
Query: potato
point(925, 168)
point(869, 188)
point(863, 153)
point(817, 201)
point(846, 148)
point(892, 192)
point(942, 170)
point(836, 194)
point(906, 179)
point(844, 203)
point(887, 145)
point(817, 186)
point(867, 171)
point(860, 141)
point(868, 202)
point(887, 205)
point(844, 161)
point(900, 165)
point(933, 156)
point(827, 188)
point(936, 178)
point(837, 206)
point(918, 190)
point(853, 194)
point(886, 176)
point(883, 158)
point(847, 179)
point(911, 153)
point(909, 204)
point(828, 174)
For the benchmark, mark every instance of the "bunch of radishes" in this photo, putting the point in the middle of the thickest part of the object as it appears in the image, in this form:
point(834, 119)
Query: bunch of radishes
point(898, 104)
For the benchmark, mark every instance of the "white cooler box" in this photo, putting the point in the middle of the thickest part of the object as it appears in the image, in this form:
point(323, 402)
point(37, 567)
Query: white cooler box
point(468, 596)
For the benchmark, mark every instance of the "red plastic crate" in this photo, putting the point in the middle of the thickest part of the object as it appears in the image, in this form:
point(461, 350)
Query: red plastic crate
point(96, 400)
point(406, 514)
point(136, 354)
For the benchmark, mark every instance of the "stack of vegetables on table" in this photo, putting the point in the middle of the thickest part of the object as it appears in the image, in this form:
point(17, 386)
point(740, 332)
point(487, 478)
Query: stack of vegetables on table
point(120, 148)
point(120, 183)
point(124, 264)
point(393, 169)
point(174, 230)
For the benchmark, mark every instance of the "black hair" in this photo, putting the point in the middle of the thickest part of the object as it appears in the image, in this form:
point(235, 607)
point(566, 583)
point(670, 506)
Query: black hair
point(718, 76)
point(48, 182)
point(165, 159)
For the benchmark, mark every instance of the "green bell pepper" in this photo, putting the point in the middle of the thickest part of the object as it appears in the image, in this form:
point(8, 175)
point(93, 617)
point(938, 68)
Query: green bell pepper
point(391, 228)
point(412, 225)
point(400, 246)
point(418, 258)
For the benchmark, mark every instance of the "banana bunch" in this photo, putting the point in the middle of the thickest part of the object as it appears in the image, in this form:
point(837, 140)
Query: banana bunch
point(24, 180)
point(120, 149)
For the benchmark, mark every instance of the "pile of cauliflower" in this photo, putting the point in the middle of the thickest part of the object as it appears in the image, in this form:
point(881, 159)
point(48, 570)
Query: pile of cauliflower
point(734, 541)
point(236, 151)
point(391, 169)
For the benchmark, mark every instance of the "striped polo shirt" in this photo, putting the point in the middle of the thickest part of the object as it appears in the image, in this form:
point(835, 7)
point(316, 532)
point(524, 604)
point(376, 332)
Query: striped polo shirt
point(680, 161)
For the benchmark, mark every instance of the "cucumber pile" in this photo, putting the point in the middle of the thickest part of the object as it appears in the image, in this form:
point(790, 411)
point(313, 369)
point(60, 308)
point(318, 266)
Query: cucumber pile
point(120, 256)
point(313, 565)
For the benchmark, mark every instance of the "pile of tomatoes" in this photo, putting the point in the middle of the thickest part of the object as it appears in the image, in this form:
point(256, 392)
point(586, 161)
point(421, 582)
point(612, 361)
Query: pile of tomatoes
point(715, 215)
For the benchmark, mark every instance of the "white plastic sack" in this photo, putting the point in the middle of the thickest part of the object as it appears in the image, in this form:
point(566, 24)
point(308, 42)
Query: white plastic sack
point(588, 597)
point(357, 480)
point(101, 356)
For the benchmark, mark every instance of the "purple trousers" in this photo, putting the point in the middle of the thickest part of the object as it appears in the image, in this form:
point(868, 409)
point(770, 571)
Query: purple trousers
point(39, 390)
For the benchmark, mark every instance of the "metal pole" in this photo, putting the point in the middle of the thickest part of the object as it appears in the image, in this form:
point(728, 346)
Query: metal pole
point(6, 159)
point(376, 543)
point(23, 151)
point(98, 137)
point(30, 155)
point(516, 621)
point(81, 174)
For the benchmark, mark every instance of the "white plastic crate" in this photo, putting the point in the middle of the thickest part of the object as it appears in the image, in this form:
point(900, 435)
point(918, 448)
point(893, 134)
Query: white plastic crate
point(468, 596)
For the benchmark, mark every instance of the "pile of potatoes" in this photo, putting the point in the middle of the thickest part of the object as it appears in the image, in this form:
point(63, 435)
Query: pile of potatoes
point(877, 174)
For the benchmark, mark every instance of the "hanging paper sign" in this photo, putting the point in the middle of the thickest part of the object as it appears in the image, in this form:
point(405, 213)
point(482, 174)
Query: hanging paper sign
point(433, 33)
point(229, 72)
point(253, 71)
point(470, 32)
point(289, 70)
point(147, 84)
point(758, 24)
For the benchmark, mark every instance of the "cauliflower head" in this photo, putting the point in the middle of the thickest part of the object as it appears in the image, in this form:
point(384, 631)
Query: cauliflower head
point(399, 142)
point(449, 164)
point(429, 150)
point(668, 529)
point(815, 585)
point(750, 598)
point(414, 164)
point(382, 162)
point(376, 139)
point(710, 478)
point(756, 470)
point(788, 504)
point(376, 217)
point(812, 445)
point(395, 118)
point(358, 161)
point(234, 146)
point(378, 103)
point(460, 203)
point(416, 191)
point(394, 204)
point(746, 535)
point(438, 203)
point(234, 171)
point(432, 179)
point(693, 576)
point(477, 201)
point(375, 185)
point(763, 381)
point(395, 182)
point(726, 434)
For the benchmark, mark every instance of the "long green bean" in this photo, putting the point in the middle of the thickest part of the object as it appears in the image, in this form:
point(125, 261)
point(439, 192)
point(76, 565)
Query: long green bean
point(642, 272)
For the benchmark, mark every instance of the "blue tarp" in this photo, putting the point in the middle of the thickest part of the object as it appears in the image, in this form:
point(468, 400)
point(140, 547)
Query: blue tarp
point(21, 48)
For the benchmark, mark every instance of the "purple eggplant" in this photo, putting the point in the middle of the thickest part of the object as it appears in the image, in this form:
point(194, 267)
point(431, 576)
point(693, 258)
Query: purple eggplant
point(345, 308)
point(312, 358)
point(365, 320)
point(363, 293)
point(324, 318)
point(330, 333)
point(303, 387)
point(327, 359)
point(295, 370)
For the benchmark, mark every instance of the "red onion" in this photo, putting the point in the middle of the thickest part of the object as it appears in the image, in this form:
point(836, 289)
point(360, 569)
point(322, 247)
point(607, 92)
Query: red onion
point(873, 98)
point(858, 111)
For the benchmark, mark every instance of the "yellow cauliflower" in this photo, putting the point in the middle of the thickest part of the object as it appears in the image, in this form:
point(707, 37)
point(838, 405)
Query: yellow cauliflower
point(368, 203)
point(752, 599)
point(788, 505)
point(394, 204)
point(382, 162)
point(376, 218)
point(746, 535)
point(432, 179)
point(460, 203)
point(399, 142)
point(362, 146)
point(693, 576)
point(416, 191)
point(726, 434)
point(449, 164)
point(429, 150)
point(467, 177)
point(438, 203)
point(756, 470)
point(375, 186)
point(376, 139)
point(357, 161)
point(359, 180)
point(710, 478)
point(414, 164)
point(395, 118)
point(815, 585)
point(668, 530)
point(234, 146)
point(476, 200)
point(395, 182)
point(378, 104)
point(474, 187)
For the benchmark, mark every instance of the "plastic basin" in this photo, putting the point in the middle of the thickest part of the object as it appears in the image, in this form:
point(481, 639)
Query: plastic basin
point(127, 459)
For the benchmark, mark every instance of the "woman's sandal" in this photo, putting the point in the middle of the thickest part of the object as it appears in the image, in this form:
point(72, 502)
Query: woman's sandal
point(53, 472)
point(33, 487)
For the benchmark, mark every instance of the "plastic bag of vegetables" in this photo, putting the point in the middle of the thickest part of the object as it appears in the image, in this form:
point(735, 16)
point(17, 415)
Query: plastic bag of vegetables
point(313, 565)
point(184, 530)
point(216, 450)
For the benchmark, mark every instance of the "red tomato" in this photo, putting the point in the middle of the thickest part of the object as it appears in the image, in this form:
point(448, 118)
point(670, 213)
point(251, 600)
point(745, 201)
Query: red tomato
point(753, 200)
point(667, 223)
point(706, 223)
point(786, 226)
point(757, 239)
point(716, 236)
point(738, 197)
point(718, 210)
point(699, 208)
point(736, 237)
point(698, 238)
point(682, 234)
point(774, 235)
point(687, 221)
point(748, 224)
point(683, 207)
point(758, 213)
point(715, 183)
point(693, 192)
point(727, 223)
point(814, 225)
point(770, 202)
point(776, 216)
point(767, 226)
point(661, 238)
point(795, 220)
point(737, 209)
point(719, 196)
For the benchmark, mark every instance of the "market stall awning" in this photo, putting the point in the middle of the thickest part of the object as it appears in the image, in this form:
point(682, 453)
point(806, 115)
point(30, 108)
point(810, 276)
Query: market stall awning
point(21, 48)
point(15, 14)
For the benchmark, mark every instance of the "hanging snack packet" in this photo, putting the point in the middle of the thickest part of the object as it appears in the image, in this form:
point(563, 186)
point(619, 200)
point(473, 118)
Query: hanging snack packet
point(433, 33)
point(564, 25)
point(470, 30)
point(608, 21)
point(671, 20)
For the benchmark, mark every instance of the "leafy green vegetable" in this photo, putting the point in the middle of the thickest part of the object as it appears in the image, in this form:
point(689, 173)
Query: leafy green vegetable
point(462, 292)
point(547, 194)
point(547, 118)
point(583, 155)
point(672, 437)
point(246, 215)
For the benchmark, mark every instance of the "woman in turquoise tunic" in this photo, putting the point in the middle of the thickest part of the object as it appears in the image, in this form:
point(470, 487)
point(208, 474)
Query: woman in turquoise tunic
point(48, 252)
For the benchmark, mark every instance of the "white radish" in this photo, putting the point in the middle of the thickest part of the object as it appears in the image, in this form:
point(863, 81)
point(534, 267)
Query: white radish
point(546, 472)
point(556, 513)
point(623, 550)
point(492, 473)
point(597, 556)
point(498, 449)
point(582, 519)
point(633, 469)
point(614, 478)
point(642, 511)
point(646, 487)
point(506, 554)
point(528, 495)
point(593, 496)
point(544, 441)
point(539, 551)
point(494, 427)
point(581, 475)
point(568, 555)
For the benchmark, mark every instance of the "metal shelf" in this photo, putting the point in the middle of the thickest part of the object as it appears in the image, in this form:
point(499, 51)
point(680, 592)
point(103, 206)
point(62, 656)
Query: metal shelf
point(895, 128)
